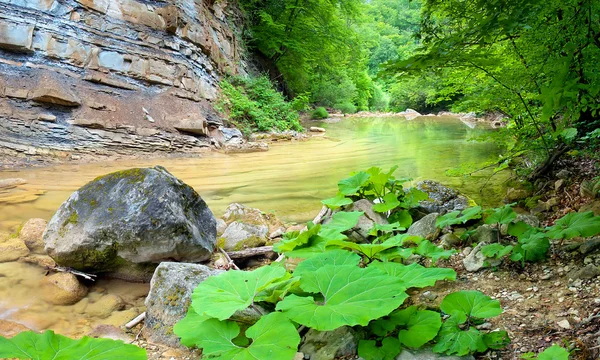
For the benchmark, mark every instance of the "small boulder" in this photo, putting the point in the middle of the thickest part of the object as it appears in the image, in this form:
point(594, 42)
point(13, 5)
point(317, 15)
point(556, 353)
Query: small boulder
point(12, 249)
point(62, 289)
point(239, 236)
point(563, 174)
point(475, 261)
point(590, 246)
point(449, 241)
point(425, 227)
point(317, 129)
point(32, 235)
point(329, 345)
point(584, 273)
point(528, 219)
point(169, 298)
point(251, 216)
point(442, 199)
point(221, 226)
point(485, 234)
point(514, 194)
point(126, 222)
point(593, 206)
point(105, 306)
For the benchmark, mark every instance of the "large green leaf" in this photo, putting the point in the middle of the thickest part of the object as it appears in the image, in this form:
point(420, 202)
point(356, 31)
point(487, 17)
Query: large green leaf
point(402, 217)
point(496, 250)
point(186, 327)
point(428, 249)
point(496, 339)
point(386, 228)
point(347, 295)
point(353, 184)
point(389, 349)
point(452, 340)
point(277, 290)
point(342, 221)
point(575, 224)
point(273, 337)
point(458, 217)
point(413, 197)
point(471, 303)
point(222, 295)
point(415, 275)
point(46, 346)
point(418, 326)
point(554, 352)
point(389, 202)
point(502, 215)
point(332, 257)
point(368, 250)
point(337, 201)
point(300, 239)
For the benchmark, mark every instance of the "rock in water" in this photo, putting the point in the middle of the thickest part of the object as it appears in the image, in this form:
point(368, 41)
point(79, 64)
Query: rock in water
point(126, 222)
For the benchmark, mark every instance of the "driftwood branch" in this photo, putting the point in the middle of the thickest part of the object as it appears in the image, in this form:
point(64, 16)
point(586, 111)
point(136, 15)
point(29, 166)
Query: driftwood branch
point(57, 268)
point(138, 319)
point(229, 260)
point(263, 250)
point(321, 215)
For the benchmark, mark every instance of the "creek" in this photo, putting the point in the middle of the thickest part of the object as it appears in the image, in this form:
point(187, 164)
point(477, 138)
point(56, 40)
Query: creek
point(288, 180)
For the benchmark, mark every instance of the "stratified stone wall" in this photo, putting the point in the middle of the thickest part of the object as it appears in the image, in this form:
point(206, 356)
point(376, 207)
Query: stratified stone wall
point(96, 75)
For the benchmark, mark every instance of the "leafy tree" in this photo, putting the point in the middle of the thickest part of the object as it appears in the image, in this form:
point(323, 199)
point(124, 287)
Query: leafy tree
point(532, 60)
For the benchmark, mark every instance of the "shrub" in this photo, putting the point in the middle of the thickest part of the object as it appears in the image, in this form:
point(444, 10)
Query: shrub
point(334, 91)
point(252, 104)
point(301, 102)
point(346, 107)
point(320, 113)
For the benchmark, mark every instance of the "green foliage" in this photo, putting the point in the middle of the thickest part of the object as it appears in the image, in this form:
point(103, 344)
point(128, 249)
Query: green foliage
point(575, 224)
point(502, 215)
point(253, 105)
point(346, 107)
point(32, 345)
point(554, 352)
point(320, 113)
point(338, 283)
point(457, 336)
point(458, 217)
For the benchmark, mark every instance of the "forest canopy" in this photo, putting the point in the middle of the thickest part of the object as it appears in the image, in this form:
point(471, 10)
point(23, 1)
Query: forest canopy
point(534, 62)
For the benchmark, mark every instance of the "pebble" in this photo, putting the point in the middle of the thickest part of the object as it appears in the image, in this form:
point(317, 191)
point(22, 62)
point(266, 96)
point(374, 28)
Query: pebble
point(564, 324)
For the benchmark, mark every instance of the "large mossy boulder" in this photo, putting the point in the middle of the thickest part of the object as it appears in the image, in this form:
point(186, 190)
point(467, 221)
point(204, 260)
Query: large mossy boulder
point(127, 222)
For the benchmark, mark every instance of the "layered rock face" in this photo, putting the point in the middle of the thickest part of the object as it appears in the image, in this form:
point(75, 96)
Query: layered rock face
point(100, 76)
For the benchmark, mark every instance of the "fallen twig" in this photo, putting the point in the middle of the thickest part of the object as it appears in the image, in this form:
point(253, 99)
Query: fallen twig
point(231, 263)
point(263, 250)
point(57, 268)
point(138, 319)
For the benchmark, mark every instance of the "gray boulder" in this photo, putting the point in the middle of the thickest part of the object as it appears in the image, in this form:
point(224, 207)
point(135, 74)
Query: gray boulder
point(425, 227)
point(126, 222)
point(590, 246)
point(475, 261)
point(329, 345)
point(442, 199)
point(170, 294)
point(238, 236)
point(485, 234)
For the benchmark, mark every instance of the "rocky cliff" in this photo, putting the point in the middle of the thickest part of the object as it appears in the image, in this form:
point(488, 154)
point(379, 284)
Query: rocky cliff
point(102, 76)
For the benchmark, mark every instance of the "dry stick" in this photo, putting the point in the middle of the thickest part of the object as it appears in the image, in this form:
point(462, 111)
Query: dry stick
point(262, 250)
point(229, 259)
point(57, 268)
point(138, 319)
point(321, 215)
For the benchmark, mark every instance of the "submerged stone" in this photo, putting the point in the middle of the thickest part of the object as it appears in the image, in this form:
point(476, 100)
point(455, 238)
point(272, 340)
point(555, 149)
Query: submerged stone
point(442, 199)
point(126, 222)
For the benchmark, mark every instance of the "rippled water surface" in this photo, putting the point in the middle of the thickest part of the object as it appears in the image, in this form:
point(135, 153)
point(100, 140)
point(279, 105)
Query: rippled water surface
point(289, 180)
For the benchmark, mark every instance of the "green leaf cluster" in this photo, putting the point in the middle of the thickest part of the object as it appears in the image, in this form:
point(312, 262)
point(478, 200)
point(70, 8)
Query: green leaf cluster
point(48, 345)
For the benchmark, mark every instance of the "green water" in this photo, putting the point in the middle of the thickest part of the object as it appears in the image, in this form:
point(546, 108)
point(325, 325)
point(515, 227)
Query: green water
point(291, 178)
